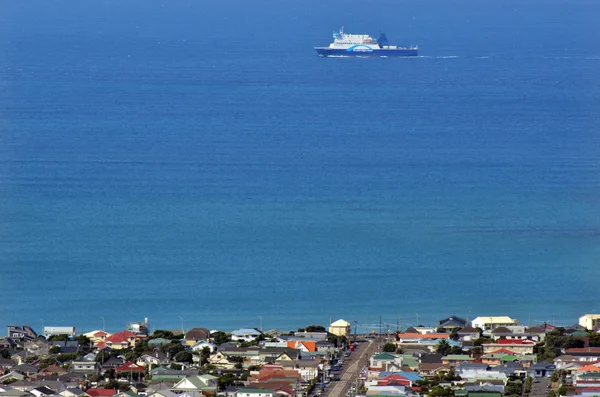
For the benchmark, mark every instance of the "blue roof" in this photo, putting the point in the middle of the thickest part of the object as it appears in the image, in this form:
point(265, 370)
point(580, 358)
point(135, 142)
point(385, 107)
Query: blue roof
point(245, 331)
point(408, 375)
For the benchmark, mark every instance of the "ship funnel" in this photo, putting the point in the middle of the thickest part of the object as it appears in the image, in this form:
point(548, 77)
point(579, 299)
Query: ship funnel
point(382, 40)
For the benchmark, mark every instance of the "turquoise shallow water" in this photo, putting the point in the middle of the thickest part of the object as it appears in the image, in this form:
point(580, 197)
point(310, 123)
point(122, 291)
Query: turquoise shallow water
point(198, 160)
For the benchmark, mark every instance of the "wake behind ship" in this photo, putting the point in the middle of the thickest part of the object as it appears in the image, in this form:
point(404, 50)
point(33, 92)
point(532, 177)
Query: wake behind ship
point(345, 44)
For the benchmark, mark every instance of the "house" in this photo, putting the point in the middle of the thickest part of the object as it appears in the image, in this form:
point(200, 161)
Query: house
point(198, 347)
point(156, 359)
point(131, 367)
point(429, 370)
point(41, 391)
point(406, 338)
point(509, 347)
point(196, 335)
point(197, 385)
point(541, 370)
point(121, 340)
point(71, 392)
point(309, 369)
point(590, 322)
point(112, 362)
point(468, 333)
point(221, 361)
point(85, 367)
point(97, 336)
point(489, 323)
point(452, 322)
point(397, 378)
point(21, 333)
point(245, 334)
point(305, 345)
point(11, 375)
point(100, 392)
point(255, 393)
point(455, 359)
point(340, 328)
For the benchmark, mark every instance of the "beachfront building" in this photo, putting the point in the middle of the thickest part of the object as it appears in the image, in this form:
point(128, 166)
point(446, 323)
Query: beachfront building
point(590, 322)
point(196, 335)
point(340, 328)
point(245, 334)
point(452, 322)
point(489, 323)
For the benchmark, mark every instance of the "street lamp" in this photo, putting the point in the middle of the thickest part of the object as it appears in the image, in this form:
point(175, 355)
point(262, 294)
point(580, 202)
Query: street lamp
point(182, 330)
point(260, 323)
point(103, 323)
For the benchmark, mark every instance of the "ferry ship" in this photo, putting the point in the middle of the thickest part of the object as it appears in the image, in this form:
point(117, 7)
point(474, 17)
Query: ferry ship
point(345, 44)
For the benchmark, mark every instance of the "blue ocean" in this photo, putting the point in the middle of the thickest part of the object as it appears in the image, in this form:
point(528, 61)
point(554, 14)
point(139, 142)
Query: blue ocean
point(196, 162)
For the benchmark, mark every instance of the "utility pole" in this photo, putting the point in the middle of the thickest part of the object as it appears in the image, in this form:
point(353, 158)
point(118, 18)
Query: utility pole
point(417, 324)
point(182, 330)
point(380, 331)
point(400, 323)
point(355, 330)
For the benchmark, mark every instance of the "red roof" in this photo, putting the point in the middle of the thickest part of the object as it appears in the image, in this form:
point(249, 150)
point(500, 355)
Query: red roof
point(515, 342)
point(310, 345)
point(130, 367)
point(101, 392)
point(121, 337)
point(101, 345)
point(100, 333)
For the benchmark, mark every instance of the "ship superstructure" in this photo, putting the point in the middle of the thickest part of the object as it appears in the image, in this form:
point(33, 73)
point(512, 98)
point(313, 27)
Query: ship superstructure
point(345, 44)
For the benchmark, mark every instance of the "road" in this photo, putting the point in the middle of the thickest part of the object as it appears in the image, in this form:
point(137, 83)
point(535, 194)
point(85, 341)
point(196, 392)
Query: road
point(352, 367)
point(540, 388)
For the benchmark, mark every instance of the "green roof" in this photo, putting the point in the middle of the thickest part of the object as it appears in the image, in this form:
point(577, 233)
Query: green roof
point(491, 394)
point(509, 357)
point(457, 357)
point(494, 355)
point(589, 375)
point(384, 356)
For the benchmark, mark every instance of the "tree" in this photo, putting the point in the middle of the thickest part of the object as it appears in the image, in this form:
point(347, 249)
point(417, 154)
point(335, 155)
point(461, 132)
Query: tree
point(54, 350)
point(389, 347)
point(315, 328)
point(62, 337)
point(159, 333)
point(102, 356)
point(172, 348)
point(46, 362)
point(84, 341)
point(551, 393)
point(4, 353)
point(204, 355)
point(226, 380)
point(443, 348)
point(594, 339)
point(454, 334)
point(219, 338)
point(184, 357)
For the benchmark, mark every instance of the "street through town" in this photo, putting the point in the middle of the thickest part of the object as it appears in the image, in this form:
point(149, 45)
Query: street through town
point(352, 367)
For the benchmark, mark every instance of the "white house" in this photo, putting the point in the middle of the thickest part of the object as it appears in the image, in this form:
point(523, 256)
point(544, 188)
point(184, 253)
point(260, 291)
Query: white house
point(340, 328)
point(245, 334)
point(255, 393)
point(198, 347)
point(590, 321)
point(489, 323)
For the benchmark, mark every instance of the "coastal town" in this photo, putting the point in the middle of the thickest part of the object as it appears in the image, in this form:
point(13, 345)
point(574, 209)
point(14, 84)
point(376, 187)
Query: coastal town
point(485, 357)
